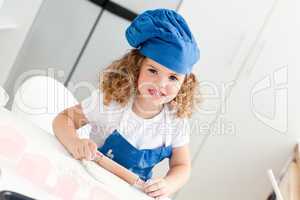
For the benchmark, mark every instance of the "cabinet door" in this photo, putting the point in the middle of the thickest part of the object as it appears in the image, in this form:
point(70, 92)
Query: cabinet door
point(16, 18)
point(54, 41)
point(107, 44)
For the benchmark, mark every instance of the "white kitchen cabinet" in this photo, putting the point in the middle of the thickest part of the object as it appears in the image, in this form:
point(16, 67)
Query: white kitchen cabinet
point(54, 42)
point(16, 18)
point(7, 23)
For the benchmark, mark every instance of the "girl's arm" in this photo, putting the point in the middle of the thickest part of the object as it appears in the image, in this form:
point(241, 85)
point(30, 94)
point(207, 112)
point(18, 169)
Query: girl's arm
point(180, 167)
point(65, 124)
point(64, 127)
point(177, 176)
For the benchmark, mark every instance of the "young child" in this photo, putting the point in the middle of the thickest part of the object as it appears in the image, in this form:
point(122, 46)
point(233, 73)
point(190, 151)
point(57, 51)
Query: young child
point(139, 113)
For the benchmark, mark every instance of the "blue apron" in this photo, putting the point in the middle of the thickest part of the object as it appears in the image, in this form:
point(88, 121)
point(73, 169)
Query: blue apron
point(139, 161)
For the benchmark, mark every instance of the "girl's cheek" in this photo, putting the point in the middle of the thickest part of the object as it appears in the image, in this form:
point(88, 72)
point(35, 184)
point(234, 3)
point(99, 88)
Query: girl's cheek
point(172, 92)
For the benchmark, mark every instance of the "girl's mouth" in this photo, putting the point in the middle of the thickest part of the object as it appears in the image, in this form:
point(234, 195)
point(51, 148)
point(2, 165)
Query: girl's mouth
point(154, 92)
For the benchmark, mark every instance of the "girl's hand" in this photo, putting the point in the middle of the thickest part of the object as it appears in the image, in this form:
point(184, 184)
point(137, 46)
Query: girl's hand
point(83, 149)
point(157, 188)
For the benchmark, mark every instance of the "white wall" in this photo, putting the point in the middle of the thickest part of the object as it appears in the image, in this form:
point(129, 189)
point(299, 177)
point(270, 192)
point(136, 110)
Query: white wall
point(20, 14)
point(244, 49)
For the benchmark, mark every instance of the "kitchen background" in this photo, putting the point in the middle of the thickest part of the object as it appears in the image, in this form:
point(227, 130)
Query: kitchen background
point(248, 121)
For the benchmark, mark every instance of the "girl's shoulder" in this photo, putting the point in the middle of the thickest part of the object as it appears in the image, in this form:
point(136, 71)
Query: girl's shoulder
point(178, 129)
point(176, 123)
point(94, 108)
point(172, 117)
point(97, 99)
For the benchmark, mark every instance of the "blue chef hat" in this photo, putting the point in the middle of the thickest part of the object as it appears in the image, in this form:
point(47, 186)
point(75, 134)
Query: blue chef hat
point(164, 36)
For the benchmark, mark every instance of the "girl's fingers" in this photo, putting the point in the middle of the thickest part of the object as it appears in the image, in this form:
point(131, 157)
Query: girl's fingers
point(157, 193)
point(81, 151)
point(151, 182)
point(93, 149)
point(153, 185)
point(84, 149)
point(152, 188)
point(76, 153)
point(87, 152)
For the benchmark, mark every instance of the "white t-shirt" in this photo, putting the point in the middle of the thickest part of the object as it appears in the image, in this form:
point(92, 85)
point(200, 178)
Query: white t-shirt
point(163, 128)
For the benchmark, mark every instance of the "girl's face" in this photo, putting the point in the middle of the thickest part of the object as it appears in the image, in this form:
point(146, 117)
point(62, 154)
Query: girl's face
point(157, 83)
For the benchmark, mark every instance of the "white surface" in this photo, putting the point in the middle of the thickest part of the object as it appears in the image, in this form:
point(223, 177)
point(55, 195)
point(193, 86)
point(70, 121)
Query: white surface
point(38, 160)
point(101, 175)
point(9, 181)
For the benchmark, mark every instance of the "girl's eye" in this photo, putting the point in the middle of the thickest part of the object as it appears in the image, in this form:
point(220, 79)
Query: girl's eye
point(153, 71)
point(173, 78)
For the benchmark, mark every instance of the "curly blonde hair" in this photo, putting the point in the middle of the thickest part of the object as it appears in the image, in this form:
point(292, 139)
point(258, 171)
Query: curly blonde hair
point(118, 82)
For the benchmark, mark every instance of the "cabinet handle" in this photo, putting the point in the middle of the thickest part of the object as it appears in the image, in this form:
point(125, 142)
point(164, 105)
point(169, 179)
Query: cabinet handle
point(116, 9)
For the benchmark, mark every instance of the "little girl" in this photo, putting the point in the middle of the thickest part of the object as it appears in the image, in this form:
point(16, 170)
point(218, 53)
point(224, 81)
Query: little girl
point(139, 113)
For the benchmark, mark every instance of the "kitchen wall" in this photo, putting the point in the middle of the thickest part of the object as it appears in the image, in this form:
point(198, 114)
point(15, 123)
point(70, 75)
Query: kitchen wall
point(248, 121)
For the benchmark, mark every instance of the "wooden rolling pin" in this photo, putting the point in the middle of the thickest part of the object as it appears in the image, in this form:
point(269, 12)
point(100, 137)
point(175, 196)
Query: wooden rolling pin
point(118, 170)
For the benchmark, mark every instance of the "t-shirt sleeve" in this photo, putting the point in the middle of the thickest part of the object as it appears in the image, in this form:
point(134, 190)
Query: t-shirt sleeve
point(94, 109)
point(103, 119)
point(181, 133)
point(91, 106)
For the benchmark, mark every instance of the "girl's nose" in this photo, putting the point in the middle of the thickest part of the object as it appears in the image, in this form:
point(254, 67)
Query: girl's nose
point(163, 90)
point(163, 84)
